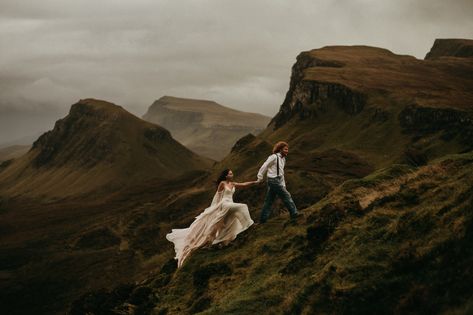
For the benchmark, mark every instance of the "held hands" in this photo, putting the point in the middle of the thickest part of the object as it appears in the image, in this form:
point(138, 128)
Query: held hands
point(246, 184)
point(254, 182)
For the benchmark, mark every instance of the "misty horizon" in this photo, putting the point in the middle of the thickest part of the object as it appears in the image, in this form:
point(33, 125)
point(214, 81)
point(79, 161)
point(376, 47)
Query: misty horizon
point(236, 54)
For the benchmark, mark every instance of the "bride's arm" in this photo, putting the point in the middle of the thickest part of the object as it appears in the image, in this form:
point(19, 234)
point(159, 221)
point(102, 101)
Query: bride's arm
point(220, 187)
point(245, 184)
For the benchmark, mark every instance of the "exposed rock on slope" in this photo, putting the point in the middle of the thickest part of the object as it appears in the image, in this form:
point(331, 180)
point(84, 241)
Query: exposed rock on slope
point(97, 146)
point(205, 127)
point(451, 47)
point(353, 76)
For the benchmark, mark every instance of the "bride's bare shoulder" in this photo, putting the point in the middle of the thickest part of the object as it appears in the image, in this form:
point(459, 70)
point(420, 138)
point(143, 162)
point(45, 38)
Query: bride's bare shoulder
point(221, 187)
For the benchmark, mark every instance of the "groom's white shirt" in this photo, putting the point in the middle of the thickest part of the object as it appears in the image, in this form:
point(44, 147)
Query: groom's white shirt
point(270, 167)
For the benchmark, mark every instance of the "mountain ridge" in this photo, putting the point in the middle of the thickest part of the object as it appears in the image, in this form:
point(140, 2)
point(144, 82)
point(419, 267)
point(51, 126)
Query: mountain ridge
point(97, 146)
point(451, 47)
point(206, 127)
point(385, 189)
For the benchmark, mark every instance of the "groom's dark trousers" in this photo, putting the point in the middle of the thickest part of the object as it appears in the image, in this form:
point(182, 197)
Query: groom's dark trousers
point(276, 188)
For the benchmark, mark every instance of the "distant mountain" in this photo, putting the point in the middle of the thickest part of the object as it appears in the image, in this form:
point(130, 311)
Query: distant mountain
point(462, 48)
point(380, 163)
point(205, 127)
point(96, 148)
point(22, 141)
point(14, 151)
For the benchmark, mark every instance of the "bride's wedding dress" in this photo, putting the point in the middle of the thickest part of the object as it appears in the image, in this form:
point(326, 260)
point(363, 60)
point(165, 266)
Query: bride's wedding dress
point(222, 221)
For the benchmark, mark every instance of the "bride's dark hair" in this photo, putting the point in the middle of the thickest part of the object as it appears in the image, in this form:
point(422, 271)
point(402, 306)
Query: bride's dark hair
point(223, 176)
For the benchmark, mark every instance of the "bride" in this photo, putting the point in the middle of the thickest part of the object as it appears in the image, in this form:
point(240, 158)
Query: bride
point(219, 223)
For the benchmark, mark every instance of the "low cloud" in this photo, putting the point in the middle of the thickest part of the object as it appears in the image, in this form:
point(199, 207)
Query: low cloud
point(237, 53)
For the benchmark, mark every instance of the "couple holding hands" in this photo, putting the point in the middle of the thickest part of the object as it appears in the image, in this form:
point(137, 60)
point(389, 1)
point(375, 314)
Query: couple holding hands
point(224, 219)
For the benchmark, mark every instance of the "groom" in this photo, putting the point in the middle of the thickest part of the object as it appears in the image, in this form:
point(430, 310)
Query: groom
point(274, 167)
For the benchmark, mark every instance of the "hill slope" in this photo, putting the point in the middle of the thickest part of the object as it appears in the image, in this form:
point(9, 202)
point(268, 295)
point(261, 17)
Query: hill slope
point(97, 147)
point(373, 164)
point(13, 151)
point(451, 47)
point(377, 105)
point(205, 127)
point(386, 197)
point(395, 242)
point(351, 110)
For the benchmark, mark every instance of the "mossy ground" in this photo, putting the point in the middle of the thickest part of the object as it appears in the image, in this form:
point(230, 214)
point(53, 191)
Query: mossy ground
point(407, 251)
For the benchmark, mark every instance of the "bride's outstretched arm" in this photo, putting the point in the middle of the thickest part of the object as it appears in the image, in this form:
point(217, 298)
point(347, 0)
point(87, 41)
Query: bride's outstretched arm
point(245, 184)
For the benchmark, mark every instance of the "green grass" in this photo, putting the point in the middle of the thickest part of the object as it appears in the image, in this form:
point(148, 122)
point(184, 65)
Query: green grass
point(406, 255)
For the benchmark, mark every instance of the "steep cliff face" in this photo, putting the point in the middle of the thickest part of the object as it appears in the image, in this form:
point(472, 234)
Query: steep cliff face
point(351, 75)
point(462, 48)
point(307, 97)
point(97, 145)
point(303, 97)
point(412, 98)
point(205, 127)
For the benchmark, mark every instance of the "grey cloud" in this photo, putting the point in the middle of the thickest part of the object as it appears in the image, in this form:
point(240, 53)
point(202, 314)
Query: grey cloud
point(238, 53)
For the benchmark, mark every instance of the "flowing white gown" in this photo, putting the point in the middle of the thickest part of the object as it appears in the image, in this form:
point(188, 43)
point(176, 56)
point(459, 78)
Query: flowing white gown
point(222, 221)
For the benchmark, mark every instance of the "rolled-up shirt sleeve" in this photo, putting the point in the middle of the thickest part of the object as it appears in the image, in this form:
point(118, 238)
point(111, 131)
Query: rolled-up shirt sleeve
point(265, 166)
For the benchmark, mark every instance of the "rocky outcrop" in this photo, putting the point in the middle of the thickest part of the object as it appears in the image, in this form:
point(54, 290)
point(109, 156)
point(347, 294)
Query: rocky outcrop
point(348, 77)
point(308, 96)
point(451, 47)
point(304, 97)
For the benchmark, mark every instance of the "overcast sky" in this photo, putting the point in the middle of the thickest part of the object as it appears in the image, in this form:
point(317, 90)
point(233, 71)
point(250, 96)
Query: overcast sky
point(237, 53)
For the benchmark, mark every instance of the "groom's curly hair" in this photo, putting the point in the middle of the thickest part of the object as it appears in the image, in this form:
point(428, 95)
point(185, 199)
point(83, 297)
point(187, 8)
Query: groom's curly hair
point(279, 146)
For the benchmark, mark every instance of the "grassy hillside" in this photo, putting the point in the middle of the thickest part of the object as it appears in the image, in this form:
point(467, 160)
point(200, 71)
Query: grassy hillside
point(397, 241)
point(13, 151)
point(380, 163)
point(51, 252)
point(381, 167)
